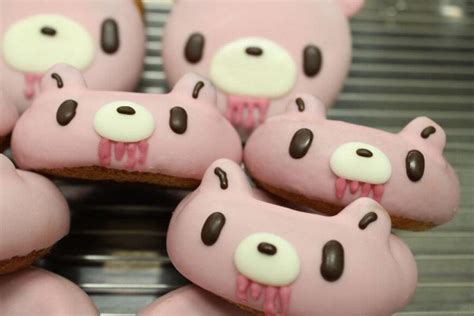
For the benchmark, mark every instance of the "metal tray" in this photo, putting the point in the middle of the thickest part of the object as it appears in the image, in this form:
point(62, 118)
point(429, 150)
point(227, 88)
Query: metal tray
point(410, 58)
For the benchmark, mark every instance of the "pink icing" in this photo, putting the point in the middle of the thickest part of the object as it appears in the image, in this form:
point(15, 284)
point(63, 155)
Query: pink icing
point(8, 115)
point(19, 88)
point(237, 105)
point(31, 84)
point(291, 24)
point(34, 223)
point(434, 198)
point(276, 300)
point(209, 136)
point(41, 293)
point(213, 268)
point(355, 186)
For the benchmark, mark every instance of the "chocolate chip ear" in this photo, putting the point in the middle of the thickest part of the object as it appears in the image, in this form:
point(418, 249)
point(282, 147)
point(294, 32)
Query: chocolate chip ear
point(368, 219)
point(212, 228)
point(415, 165)
point(301, 143)
point(332, 265)
point(194, 49)
point(178, 120)
point(59, 80)
point(197, 89)
point(301, 105)
point(428, 131)
point(110, 37)
point(66, 112)
point(312, 60)
point(222, 175)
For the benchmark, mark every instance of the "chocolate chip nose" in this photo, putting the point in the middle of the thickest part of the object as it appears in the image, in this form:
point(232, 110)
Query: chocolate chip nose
point(364, 153)
point(254, 51)
point(267, 249)
point(126, 110)
point(48, 31)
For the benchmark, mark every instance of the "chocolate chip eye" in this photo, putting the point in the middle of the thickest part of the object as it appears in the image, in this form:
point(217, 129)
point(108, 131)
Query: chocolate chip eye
point(110, 38)
point(415, 165)
point(212, 228)
point(66, 112)
point(194, 49)
point(428, 131)
point(332, 265)
point(312, 60)
point(368, 219)
point(178, 120)
point(300, 143)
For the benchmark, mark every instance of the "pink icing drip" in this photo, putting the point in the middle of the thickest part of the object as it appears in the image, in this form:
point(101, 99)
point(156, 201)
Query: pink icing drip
point(340, 187)
point(119, 151)
point(136, 152)
point(378, 192)
point(366, 188)
point(131, 153)
point(276, 300)
point(355, 186)
point(31, 80)
point(105, 149)
point(236, 106)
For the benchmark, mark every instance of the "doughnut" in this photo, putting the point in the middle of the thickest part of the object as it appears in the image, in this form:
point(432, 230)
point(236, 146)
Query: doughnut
point(259, 53)
point(34, 216)
point(168, 140)
point(37, 292)
point(279, 261)
point(327, 164)
point(97, 37)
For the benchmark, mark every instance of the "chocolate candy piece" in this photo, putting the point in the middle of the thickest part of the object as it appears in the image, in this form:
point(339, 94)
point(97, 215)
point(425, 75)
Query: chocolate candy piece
point(178, 120)
point(66, 112)
point(110, 38)
point(312, 60)
point(194, 49)
point(415, 165)
point(212, 228)
point(332, 265)
point(300, 143)
point(368, 219)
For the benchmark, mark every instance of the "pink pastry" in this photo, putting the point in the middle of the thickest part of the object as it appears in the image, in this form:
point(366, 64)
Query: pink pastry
point(41, 293)
point(97, 37)
point(192, 301)
point(8, 117)
point(284, 262)
point(168, 139)
point(258, 53)
point(325, 164)
point(33, 216)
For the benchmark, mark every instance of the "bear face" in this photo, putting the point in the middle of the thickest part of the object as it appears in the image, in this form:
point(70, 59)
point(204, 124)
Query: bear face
point(275, 259)
point(93, 36)
point(328, 164)
point(258, 54)
point(176, 135)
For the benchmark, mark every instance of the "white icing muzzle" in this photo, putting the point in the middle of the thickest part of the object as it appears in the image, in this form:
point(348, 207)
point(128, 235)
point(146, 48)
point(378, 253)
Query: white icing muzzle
point(254, 67)
point(35, 44)
point(124, 121)
point(267, 259)
point(361, 162)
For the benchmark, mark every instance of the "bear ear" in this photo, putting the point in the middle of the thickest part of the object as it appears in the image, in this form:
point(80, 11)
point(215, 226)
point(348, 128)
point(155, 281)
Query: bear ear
point(367, 216)
point(197, 88)
point(62, 76)
point(425, 130)
point(226, 176)
point(350, 7)
point(307, 106)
